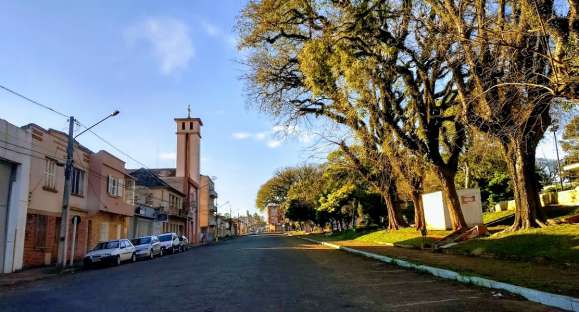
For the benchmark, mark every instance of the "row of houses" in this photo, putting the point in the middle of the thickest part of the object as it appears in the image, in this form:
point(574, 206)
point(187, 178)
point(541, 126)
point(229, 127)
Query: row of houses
point(109, 200)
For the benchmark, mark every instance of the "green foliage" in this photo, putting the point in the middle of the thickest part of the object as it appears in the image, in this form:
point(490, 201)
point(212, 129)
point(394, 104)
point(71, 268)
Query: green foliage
point(300, 211)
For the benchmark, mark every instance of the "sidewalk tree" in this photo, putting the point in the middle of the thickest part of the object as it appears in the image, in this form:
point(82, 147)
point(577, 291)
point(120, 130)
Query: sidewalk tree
point(511, 61)
point(370, 66)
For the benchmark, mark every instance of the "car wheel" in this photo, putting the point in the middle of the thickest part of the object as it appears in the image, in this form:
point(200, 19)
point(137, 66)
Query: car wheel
point(133, 258)
point(118, 260)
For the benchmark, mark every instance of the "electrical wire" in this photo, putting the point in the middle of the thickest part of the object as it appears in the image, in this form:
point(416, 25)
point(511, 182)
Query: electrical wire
point(33, 101)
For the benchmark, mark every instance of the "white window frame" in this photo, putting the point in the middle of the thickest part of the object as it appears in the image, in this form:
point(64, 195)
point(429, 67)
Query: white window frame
point(115, 186)
point(50, 173)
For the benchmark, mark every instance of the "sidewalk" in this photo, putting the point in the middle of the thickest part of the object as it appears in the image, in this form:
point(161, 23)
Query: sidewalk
point(30, 275)
point(547, 277)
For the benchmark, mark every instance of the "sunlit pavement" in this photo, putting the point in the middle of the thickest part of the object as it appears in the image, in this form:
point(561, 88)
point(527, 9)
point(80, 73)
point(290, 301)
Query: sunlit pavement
point(256, 273)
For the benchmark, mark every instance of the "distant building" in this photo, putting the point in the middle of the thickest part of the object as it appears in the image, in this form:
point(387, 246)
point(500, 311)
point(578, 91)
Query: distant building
point(207, 208)
point(274, 217)
point(154, 191)
point(146, 221)
point(15, 151)
point(185, 178)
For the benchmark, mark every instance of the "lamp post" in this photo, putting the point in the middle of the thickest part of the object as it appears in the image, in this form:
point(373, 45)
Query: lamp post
point(63, 235)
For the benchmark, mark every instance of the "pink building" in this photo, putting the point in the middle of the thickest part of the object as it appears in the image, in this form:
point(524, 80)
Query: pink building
point(110, 200)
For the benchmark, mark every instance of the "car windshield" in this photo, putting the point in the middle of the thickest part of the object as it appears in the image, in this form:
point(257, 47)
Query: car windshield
point(107, 245)
point(165, 238)
point(141, 241)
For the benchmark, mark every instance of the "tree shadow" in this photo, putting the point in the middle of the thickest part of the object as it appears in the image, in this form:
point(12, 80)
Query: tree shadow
point(537, 247)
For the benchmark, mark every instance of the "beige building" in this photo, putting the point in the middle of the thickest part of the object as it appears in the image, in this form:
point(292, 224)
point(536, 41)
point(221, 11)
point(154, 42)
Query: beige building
point(152, 190)
point(110, 200)
point(185, 178)
point(207, 208)
point(46, 191)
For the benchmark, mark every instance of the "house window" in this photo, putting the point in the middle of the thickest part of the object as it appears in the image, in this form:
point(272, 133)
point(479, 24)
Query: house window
point(50, 174)
point(103, 232)
point(174, 202)
point(41, 225)
point(115, 186)
point(130, 192)
point(77, 182)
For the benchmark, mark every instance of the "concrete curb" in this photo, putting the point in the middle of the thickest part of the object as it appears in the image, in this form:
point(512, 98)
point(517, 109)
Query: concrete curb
point(549, 299)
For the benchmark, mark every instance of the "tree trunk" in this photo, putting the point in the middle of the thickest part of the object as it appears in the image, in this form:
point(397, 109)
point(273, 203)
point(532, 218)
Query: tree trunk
point(451, 199)
point(393, 219)
point(521, 164)
point(419, 220)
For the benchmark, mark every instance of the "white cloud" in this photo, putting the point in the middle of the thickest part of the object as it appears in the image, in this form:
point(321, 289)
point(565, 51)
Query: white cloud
point(169, 39)
point(260, 136)
point(241, 135)
point(210, 29)
point(168, 156)
point(273, 143)
point(277, 135)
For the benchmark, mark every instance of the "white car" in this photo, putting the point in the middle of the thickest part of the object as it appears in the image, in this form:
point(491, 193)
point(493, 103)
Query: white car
point(169, 243)
point(111, 252)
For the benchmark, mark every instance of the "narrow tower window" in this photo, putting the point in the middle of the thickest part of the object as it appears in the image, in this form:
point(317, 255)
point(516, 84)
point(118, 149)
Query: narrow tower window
point(182, 126)
point(190, 126)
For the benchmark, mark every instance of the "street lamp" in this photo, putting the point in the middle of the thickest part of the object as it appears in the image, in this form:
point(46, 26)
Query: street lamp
point(63, 236)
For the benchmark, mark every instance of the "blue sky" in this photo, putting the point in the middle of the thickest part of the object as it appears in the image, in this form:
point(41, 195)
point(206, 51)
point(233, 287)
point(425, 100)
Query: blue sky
point(149, 60)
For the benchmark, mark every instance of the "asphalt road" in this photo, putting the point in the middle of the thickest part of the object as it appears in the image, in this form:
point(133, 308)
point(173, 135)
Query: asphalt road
point(256, 273)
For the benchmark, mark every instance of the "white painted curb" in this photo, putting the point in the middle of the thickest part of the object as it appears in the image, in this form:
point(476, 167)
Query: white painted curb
point(549, 299)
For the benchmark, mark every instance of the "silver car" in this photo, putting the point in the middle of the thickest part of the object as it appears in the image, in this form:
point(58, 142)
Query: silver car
point(147, 247)
point(111, 252)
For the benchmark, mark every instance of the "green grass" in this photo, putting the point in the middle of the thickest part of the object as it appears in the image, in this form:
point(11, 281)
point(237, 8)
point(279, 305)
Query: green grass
point(407, 236)
point(493, 216)
point(555, 243)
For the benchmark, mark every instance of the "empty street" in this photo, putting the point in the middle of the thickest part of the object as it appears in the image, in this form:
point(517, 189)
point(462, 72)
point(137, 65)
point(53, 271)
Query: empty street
point(255, 273)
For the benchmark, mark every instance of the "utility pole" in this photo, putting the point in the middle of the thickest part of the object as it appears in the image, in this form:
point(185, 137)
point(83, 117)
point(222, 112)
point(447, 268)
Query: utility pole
point(63, 237)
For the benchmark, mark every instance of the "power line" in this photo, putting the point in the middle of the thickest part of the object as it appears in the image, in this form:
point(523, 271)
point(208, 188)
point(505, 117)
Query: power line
point(33, 101)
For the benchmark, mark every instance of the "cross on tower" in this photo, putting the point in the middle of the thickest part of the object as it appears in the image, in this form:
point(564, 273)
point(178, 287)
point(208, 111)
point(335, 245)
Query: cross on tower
point(189, 111)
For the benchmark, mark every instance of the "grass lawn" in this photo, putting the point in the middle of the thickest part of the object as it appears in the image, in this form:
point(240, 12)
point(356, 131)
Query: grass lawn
point(407, 236)
point(546, 259)
point(495, 215)
point(555, 243)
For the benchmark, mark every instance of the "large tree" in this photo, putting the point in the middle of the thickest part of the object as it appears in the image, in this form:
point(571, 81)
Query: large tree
point(371, 66)
point(511, 61)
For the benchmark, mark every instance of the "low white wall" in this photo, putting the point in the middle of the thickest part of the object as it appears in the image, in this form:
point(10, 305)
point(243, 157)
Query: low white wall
point(437, 215)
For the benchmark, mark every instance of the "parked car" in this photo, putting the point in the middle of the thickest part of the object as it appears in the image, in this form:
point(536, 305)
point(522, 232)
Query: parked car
point(169, 243)
point(183, 243)
point(111, 252)
point(147, 247)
